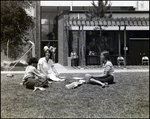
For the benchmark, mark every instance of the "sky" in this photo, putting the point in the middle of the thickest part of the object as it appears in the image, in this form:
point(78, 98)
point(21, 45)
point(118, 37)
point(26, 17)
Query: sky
point(143, 5)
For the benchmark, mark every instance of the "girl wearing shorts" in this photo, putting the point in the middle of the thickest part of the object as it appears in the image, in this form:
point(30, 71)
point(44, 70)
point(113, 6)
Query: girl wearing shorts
point(107, 76)
point(103, 79)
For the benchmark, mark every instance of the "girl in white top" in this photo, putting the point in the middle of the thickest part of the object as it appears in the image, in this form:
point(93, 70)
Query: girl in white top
point(46, 66)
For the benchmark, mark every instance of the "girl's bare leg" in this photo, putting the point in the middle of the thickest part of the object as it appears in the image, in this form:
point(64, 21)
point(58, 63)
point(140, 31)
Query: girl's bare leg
point(98, 82)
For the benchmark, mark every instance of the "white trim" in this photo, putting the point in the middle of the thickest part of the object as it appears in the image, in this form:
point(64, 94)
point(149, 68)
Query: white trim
point(66, 3)
point(111, 28)
point(137, 28)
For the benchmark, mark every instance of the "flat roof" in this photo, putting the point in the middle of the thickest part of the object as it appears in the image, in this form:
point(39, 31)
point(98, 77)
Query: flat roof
point(83, 11)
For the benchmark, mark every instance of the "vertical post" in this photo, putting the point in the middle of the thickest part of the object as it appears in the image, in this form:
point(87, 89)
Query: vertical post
point(79, 47)
point(119, 42)
point(7, 51)
point(100, 33)
point(83, 52)
point(79, 53)
point(100, 39)
point(67, 35)
point(125, 46)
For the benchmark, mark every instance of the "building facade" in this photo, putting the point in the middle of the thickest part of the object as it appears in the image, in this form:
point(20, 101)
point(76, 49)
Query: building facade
point(51, 27)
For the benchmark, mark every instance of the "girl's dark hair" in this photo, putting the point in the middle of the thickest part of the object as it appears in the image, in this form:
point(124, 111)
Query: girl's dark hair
point(49, 53)
point(106, 54)
point(32, 60)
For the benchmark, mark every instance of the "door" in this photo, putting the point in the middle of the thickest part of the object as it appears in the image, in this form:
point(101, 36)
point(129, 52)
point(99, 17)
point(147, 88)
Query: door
point(137, 49)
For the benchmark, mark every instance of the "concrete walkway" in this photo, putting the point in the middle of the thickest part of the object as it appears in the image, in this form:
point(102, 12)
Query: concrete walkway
point(63, 69)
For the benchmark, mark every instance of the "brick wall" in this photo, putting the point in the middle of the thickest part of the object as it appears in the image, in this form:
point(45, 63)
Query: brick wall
point(74, 36)
point(75, 41)
point(82, 48)
point(62, 42)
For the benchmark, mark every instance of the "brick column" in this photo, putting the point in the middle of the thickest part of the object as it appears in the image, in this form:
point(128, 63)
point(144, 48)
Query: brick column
point(62, 41)
point(38, 33)
point(82, 48)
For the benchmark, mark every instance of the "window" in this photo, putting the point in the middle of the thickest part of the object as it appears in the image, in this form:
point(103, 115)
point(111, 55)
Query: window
point(49, 25)
point(44, 31)
point(44, 21)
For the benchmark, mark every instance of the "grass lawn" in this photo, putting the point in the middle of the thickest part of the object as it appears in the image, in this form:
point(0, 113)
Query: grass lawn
point(128, 97)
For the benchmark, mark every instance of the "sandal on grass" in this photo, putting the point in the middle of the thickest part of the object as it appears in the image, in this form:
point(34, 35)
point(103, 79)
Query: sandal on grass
point(50, 82)
point(62, 79)
point(105, 85)
point(40, 88)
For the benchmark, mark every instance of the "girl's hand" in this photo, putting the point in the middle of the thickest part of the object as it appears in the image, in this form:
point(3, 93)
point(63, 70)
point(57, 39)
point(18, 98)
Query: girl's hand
point(58, 75)
point(47, 77)
point(43, 76)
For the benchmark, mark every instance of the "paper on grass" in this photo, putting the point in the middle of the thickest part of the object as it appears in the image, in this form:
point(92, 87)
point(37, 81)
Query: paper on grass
point(77, 77)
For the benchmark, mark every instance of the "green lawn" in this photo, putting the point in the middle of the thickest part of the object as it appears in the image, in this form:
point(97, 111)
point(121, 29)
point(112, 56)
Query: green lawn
point(128, 97)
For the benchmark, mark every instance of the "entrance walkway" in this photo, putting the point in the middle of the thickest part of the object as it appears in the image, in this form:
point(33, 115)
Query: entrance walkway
point(66, 69)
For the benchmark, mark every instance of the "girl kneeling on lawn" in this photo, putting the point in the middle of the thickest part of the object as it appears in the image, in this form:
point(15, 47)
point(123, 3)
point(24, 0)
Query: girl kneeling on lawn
point(33, 79)
point(103, 79)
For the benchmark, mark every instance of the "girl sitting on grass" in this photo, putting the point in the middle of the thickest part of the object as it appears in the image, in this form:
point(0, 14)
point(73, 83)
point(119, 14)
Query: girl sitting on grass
point(33, 79)
point(47, 68)
point(103, 79)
